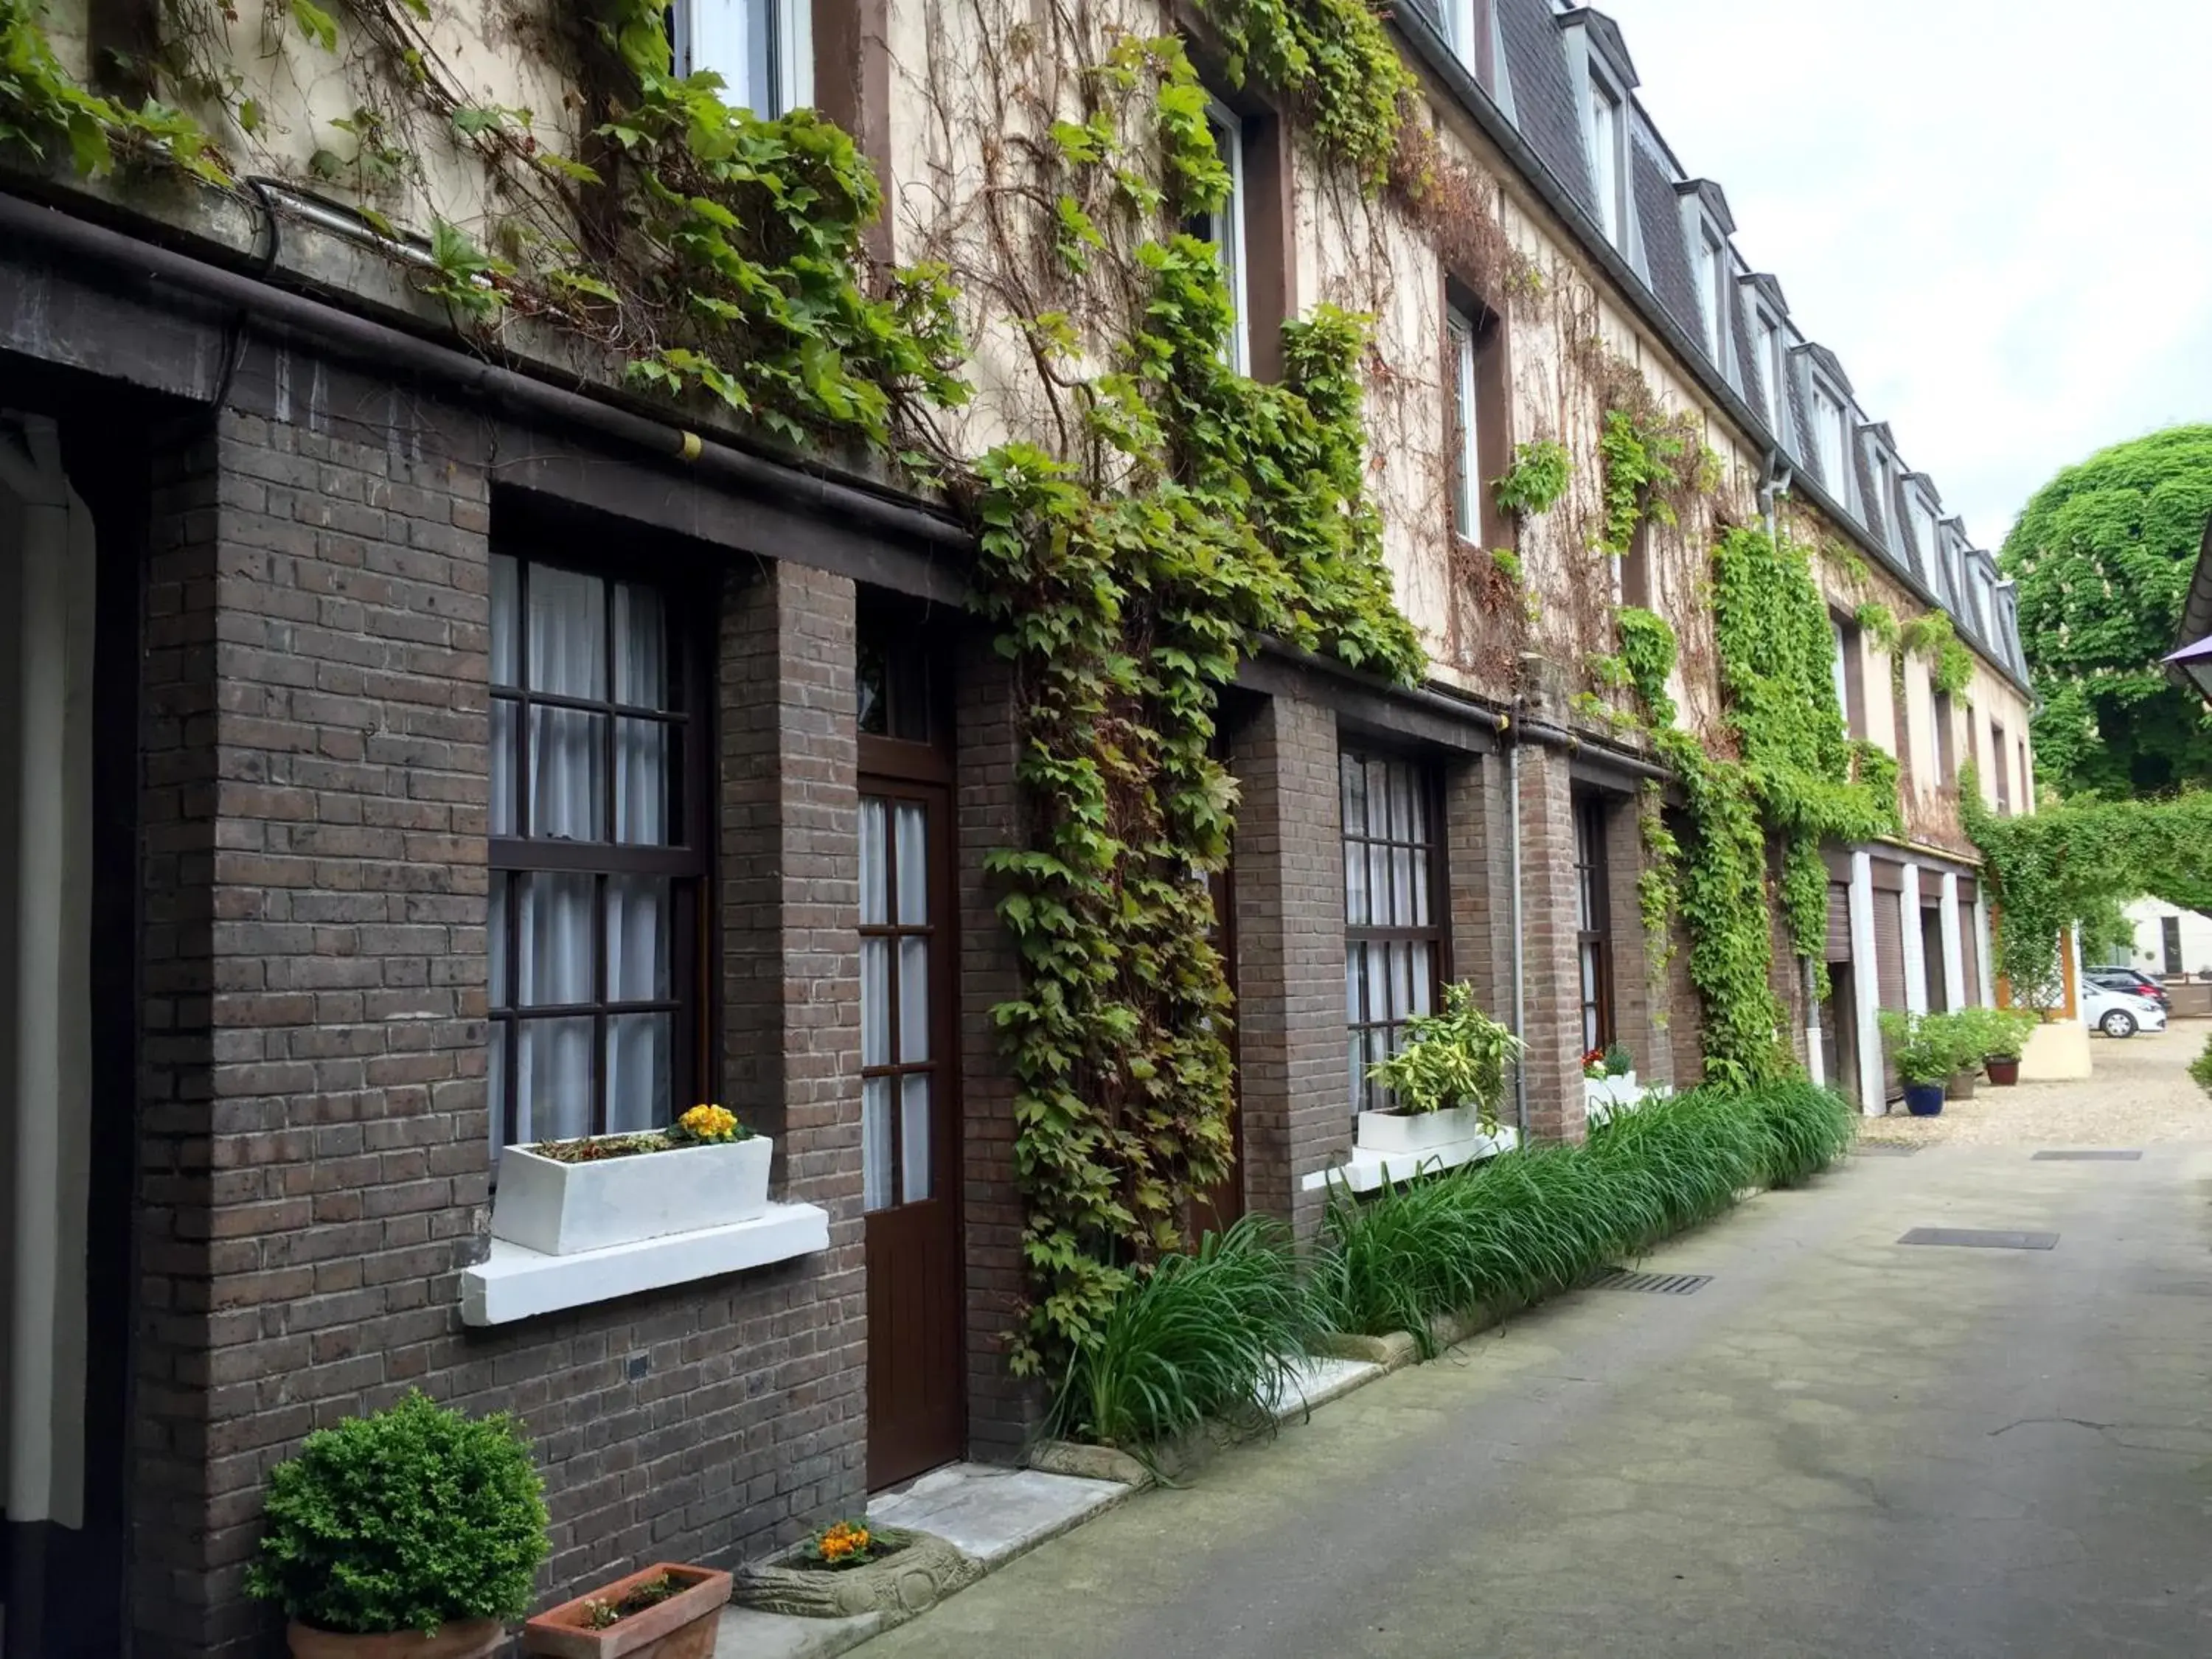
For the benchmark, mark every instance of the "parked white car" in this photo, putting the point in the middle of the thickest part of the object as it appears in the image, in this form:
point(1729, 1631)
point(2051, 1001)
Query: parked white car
point(2120, 1014)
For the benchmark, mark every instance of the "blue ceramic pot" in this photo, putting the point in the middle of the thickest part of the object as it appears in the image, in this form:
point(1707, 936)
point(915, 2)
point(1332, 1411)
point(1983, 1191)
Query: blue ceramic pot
point(1924, 1099)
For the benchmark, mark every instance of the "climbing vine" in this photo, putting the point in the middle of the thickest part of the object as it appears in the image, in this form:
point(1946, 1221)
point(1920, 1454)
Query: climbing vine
point(1537, 478)
point(1950, 665)
point(2072, 863)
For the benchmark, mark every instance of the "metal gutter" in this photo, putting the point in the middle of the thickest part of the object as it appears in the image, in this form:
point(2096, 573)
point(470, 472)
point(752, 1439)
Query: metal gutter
point(1427, 39)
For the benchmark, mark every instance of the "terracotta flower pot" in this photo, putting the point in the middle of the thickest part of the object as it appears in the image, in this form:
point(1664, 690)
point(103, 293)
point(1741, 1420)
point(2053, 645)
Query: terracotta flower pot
point(468, 1638)
point(681, 1627)
point(1960, 1086)
point(2003, 1073)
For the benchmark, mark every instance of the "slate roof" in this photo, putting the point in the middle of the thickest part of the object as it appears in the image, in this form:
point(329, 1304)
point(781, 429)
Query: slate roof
point(1547, 112)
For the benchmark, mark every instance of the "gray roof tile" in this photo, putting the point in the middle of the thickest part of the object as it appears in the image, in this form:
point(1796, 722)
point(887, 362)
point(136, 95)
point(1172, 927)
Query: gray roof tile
point(1543, 96)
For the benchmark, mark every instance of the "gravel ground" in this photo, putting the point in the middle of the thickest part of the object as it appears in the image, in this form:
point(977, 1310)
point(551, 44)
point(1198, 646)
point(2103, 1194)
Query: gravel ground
point(2139, 1092)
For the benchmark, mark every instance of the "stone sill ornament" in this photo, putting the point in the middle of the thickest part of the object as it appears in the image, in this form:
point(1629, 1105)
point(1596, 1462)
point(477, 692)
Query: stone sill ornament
point(913, 1572)
point(561, 1208)
point(681, 1626)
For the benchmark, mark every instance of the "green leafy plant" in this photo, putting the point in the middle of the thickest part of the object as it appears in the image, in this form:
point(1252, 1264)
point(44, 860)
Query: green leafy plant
point(1212, 1335)
point(43, 109)
point(2200, 1069)
point(1455, 1058)
point(1993, 1033)
point(1536, 480)
point(1508, 564)
point(402, 1520)
point(1618, 1062)
point(1950, 665)
point(1924, 1048)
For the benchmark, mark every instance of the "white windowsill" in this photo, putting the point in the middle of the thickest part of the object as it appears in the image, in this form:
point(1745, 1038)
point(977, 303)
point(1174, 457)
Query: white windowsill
point(1365, 1171)
point(517, 1283)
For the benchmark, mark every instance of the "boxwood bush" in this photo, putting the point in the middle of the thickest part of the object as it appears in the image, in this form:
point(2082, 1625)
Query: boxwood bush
point(404, 1521)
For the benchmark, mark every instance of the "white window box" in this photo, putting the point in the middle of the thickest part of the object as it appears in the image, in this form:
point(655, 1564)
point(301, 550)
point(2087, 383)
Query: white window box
point(518, 1283)
point(1609, 1091)
point(1417, 1131)
point(564, 1209)
point(1367, 1169)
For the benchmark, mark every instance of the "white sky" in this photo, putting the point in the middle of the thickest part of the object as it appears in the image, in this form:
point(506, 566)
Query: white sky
point(1996, 213)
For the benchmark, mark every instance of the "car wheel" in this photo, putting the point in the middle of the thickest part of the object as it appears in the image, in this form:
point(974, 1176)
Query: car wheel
point(2117, 1023)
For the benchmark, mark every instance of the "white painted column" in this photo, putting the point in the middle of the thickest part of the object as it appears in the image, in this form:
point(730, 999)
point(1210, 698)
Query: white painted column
point(1814, 971)
point(1955, 955)
point(50, 638)
point(1916, 958)
point(1865, 986)
point(1982, 957)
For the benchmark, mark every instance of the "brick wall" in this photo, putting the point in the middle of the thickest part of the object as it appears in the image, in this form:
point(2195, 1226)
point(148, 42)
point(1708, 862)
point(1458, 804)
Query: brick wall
point(1553, 1033)
point(312, 1130)
point(1292, 1044)
point(1001, 1408)
point(1479, 874)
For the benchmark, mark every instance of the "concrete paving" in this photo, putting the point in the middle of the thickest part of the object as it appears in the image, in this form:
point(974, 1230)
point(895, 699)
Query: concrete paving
point(1840, 1446)
point(991, 1513)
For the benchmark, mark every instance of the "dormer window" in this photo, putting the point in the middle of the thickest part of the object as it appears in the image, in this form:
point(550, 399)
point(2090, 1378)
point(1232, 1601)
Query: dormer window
point(1770, 351)
point(764, 50)
point(1828, 440)
point(1712, 262)
point(1607, 136)
point(1925, 540)
point(1883, 506)
point(1467, 26)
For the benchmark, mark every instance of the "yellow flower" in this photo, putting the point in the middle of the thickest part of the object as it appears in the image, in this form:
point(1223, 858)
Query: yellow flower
point(709, 1123)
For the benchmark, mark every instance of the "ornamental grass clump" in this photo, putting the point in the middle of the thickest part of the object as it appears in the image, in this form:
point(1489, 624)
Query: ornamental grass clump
point(1213, 1335)
point(1530, 1222)
point(406, 1519)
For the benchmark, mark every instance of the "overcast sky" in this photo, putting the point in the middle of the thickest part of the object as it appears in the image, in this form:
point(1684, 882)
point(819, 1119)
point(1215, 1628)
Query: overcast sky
point(1998, 215)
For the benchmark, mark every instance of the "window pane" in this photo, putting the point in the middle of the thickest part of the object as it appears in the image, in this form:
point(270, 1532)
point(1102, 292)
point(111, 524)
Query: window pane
point(1420, 880)
point(637, 938)
point(1401, 981)
point(553, 1079)
point(642, 664)
point(875, 1002)
point(876, 1142)
point(556, 941)
point(1378, 799)
point(1401, 885)
point(875, 850)
point(1355, 885)
point(1378, 880)
point(567, 776)
point(1355, 977)
point(645, 778)
point(568, 643)
point(639, 1050)
point(906, 685)
point(504, 729)
point(913, 1138)
point(498, 993)
point(506, 619)
point(912, 867)
point(496, 1087)
point(1378, 983)
point(1354, 777)
point(1424, 977)
point(913, 998)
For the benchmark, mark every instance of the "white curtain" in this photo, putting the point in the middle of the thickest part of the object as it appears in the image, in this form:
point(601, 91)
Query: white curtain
point(563, 649)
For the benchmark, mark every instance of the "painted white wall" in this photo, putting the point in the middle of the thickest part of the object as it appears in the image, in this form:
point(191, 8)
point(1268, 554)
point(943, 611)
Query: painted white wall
point(1954, 954)
point(1916, 960)
point(1987, 978)
point(2150, 917)
point(46, 541)
point(1865, 986)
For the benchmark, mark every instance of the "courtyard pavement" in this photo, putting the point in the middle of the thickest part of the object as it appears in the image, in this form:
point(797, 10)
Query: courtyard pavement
point(1840, 1446)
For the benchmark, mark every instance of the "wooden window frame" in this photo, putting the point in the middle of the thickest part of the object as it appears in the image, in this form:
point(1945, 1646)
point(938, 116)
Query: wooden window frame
point(1436, 933)
point(688, 866)
point(1491, 452)
point(1594, 920)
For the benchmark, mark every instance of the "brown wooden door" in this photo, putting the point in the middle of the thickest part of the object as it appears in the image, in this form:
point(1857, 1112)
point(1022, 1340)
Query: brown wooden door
point(910, 1138)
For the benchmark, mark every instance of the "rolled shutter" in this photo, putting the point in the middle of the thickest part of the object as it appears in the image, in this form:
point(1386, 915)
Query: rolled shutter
point(1839, 923)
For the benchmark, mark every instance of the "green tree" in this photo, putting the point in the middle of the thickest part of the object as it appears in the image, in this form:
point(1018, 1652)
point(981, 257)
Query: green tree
point(2103, 554)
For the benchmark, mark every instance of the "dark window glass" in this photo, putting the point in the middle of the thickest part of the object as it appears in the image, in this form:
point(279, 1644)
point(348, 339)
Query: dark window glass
point(1593, 923)
point(1394, 925)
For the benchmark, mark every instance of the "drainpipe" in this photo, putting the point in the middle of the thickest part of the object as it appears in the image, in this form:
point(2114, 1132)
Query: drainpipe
point(1774, 481)
point(1520, 1010)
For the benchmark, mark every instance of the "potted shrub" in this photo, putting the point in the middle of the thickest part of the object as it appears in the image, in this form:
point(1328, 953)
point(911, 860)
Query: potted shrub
point(665, 1612)
point(1962, 1032)
point(1923, 1060)
point(2005, 1034)
point(562, 1197)
point(413, 1534)
point(1445, 1083)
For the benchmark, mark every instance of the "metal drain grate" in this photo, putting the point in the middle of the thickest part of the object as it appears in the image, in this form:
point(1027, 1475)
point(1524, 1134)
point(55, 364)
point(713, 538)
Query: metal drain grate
point(2088, 1158)
point(1653, 1284)
point(1884, 1149)
point(1975, 1239)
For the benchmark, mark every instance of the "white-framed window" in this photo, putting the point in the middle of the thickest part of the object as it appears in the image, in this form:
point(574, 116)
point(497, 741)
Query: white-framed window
point(1828, 436)
point(1885, 494)
point(1467, 467)
point(1768, 349)
point(764, 50)
point(1224, 227)
point(1608, 168)
point(1925, 539)
point(1713, 276)
point(1461, 19)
